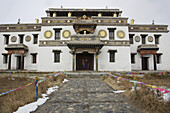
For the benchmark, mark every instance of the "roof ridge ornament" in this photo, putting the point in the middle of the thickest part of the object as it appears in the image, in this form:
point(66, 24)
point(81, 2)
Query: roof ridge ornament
point(153, 22)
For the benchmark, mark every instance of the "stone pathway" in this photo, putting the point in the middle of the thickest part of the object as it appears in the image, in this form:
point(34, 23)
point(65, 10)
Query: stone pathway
point(86, 96)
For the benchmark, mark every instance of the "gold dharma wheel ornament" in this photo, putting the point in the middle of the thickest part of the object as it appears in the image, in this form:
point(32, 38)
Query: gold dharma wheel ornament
point(84, 16)
point(102, 33)
point(48, 34)
point(66, 34)
point(121, 34)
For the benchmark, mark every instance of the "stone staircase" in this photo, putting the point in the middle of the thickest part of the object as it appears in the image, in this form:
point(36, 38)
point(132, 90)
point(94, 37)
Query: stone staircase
point(84, 74)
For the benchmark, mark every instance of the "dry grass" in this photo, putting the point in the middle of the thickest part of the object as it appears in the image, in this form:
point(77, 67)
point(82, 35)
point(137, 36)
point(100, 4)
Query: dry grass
point(11, 101)
point(145, 100)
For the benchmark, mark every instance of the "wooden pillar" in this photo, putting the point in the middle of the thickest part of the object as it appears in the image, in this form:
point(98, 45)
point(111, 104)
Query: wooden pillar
point(142, 61)
point(22, 62)
point(96, 62)
point(73, 62)
point(154, 61)
point(9, 62)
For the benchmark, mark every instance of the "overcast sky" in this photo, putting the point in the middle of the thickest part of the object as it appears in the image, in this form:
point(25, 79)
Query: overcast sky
point(143, 11)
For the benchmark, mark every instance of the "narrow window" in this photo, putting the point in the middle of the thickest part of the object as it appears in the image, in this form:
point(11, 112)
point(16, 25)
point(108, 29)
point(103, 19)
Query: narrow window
point(131, 38)
point(143, 39)
point(57, 56)
point(158, 57)
point(21, 39)
point(133, 58)
point(157, 39)
point(34, 58)
point(35, 41)
point(5, 58)
point(57, 33)
point(112, 55)
point(111, 33)
point(6, 39)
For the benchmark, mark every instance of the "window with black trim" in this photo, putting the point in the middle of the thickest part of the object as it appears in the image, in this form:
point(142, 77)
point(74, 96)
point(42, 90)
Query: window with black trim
point(34, 58)
point(56, 56)
point(111, 33)
point(131, 38)
point(144, 39)
point(21, 39)
point(157, 39)
point(57, 33)
point(112, 55)
point(158, 57)
point(6, 39)
point(5, 58)
point(133, 58)
point(35, 41)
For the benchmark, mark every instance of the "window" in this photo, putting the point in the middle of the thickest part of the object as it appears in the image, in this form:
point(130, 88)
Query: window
point(35, 41)
point(5, 58)
point(133, 58)
point(6, 39)
point(34, 58)
point(157, 39)
point(158, 57)
point(21, 39)
point(111, 33)
point(143, 39)
point(57, 33)
point(112, 55)
point(131, 38)
point(57, 56)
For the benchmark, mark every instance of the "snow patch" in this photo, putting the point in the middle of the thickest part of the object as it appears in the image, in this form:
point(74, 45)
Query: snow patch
point(119, 91)
point(65, 80)
point(34, 105)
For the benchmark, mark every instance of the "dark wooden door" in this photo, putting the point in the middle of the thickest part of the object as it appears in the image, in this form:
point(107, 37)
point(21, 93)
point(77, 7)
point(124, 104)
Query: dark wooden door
point(84, 61)
point(18, 64)
point(145, 63)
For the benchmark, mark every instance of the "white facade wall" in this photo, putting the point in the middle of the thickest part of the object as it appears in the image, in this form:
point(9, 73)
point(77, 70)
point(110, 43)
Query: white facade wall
point(32, 48)
point(163, 48)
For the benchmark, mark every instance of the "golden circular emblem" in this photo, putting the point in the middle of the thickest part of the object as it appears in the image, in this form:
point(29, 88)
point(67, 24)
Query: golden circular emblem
point(137, 39)
point(27, 38)
point(102, 33)
point(48, 34)
point(121, 34)
point(13, 39)
point(150, 38)
point(66, 34)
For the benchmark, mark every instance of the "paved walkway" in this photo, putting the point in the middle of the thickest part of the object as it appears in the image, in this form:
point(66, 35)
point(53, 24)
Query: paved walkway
point(85, 96)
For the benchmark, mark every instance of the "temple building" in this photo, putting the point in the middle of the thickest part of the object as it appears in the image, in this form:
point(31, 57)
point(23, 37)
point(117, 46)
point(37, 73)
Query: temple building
point(84, 39)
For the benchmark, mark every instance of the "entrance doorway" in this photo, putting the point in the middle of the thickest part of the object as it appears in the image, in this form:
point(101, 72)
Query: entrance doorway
point(145, 63)
point(84, 61)
point(18, 63)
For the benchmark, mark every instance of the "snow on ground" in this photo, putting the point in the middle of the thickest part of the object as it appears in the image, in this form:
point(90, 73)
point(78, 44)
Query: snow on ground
point(119, 91)
point(65, 80)
point(33, 106)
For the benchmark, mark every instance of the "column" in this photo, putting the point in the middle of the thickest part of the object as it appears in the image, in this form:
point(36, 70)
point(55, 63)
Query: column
point(22, 62)
point(9, 62)
point(96, 62)
point(73, 62)
point(154, 61)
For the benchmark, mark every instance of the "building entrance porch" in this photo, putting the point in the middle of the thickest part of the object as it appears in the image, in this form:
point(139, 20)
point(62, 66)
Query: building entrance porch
point(85, 61)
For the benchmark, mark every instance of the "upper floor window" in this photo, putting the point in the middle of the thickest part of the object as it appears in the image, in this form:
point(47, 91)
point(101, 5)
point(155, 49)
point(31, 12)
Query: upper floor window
point(57, 33)
point(112, 55)
point(21, 39)
point(143, 39)
point(6, 39)
point(35, 41)
point(111, 33)
point(157, 39)
point(131, 38)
